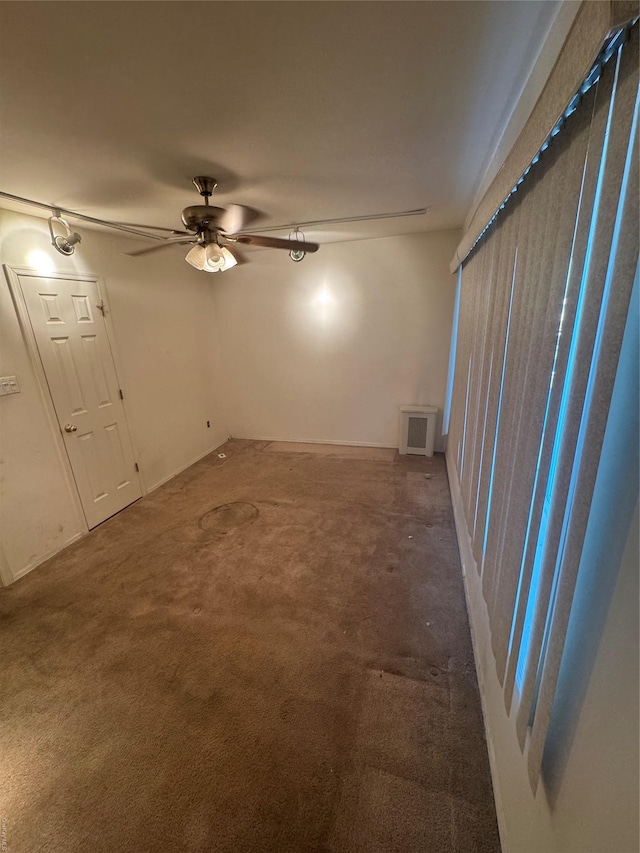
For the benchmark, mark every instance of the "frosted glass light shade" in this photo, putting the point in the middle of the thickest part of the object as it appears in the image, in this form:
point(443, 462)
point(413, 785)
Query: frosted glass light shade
point(196, 256)
point(211, 258)
point(230, 260)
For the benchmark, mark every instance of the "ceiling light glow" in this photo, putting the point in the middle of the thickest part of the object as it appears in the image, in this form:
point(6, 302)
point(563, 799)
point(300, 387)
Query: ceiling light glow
point(41, 262)
point(324, 297)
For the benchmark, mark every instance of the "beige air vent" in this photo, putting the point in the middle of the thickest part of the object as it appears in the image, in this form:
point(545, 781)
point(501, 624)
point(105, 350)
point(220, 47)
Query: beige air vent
point(418, 429)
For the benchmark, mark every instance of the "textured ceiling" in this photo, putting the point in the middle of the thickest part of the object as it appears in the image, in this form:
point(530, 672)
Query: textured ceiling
point(305, 110)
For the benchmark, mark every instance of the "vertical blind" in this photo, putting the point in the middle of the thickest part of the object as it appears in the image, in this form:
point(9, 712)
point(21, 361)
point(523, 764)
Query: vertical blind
point(544, 296)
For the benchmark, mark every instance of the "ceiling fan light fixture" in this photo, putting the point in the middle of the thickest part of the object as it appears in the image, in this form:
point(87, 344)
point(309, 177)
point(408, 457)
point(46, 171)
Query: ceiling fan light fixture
point(210, 258)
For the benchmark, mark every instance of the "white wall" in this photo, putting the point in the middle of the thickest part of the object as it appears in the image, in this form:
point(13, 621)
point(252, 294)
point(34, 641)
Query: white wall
point(299, 369)
point(597, 802)
point(287, 366)
point(166, 339)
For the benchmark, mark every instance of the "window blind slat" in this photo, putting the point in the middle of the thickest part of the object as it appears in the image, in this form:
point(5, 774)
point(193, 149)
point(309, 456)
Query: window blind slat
point(587, 312)
point(482, 290)
point(477, 314)
point(463, 354)
point(571, 251)
point(495, 318)
point(547, 283)
point(520, 297)
point(530, 398)
point(536, 198)
point(614, 261)
point(503, 271)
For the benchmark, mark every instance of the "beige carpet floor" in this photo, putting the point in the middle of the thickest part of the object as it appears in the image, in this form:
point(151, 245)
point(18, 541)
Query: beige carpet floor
point(269, 653)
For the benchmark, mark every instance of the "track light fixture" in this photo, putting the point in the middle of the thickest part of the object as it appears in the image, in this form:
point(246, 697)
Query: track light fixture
point(297, 254)
point(63, 243)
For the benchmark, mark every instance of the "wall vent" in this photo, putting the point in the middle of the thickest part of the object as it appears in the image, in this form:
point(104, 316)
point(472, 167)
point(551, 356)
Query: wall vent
point(418, 429)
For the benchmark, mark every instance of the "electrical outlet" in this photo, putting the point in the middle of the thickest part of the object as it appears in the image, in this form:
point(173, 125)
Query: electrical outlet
point(9, 385)
point(209, 424)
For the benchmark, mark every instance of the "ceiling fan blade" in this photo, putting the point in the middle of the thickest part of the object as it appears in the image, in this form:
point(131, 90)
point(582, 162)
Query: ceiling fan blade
point(171, 231)
point(236, 218)
point(237, 254)
point(275, 242)
point(171, 241)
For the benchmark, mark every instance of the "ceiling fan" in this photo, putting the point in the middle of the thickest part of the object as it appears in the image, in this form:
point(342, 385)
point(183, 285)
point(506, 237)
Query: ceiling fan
point(211, 231)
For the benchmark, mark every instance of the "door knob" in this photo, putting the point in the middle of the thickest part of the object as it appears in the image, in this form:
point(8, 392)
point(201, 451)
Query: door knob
point(70, 428)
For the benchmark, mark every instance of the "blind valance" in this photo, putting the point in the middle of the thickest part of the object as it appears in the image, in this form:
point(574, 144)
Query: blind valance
point(597, 23)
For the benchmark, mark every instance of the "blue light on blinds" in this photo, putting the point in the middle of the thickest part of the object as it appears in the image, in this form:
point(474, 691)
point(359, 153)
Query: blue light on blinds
point(532, 600)
point(495, 440)
point(452, 355)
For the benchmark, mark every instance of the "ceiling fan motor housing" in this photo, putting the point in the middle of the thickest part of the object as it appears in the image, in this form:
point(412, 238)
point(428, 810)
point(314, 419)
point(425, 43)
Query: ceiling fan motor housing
point(199, 216)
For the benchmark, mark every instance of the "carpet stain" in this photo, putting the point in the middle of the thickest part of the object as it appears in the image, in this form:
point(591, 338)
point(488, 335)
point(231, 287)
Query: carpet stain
point(224, 518)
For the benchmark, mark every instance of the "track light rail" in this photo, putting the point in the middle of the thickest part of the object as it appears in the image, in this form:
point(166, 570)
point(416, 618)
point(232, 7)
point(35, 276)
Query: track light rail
point(121, 226)
point(368, 218)
point(55, 209)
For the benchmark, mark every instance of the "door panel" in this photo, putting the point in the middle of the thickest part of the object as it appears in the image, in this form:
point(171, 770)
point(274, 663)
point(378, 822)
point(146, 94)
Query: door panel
point(72, 341)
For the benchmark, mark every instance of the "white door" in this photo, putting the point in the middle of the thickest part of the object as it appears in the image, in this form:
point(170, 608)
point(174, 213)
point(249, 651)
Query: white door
point(72, 341)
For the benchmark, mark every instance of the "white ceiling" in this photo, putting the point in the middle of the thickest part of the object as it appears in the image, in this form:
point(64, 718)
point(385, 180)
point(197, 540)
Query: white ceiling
point(304, 110)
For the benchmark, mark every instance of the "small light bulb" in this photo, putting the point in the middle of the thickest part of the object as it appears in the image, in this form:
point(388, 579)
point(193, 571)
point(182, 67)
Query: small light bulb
point(214, 258)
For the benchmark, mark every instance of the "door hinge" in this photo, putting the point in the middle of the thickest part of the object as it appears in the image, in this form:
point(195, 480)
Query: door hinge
point(121, 394)
point(137, 466)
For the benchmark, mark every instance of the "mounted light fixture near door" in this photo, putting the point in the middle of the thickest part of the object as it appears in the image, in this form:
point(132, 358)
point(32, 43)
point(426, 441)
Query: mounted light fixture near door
point(63, 243)
point(297, 253)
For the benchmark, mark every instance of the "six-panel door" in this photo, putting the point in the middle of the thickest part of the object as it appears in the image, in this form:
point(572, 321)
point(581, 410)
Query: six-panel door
point(71, 336)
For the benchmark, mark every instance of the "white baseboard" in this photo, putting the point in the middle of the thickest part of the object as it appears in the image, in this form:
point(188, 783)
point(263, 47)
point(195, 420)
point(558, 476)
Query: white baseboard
point(51, 553)
point(46, 556)
point(476, 610)
point(184, 467)
point(317, 441)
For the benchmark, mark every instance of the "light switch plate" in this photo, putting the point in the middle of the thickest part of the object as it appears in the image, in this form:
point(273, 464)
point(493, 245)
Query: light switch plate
point(8, 385)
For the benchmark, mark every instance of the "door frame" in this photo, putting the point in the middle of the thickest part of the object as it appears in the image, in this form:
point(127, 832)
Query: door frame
point(13, 274)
